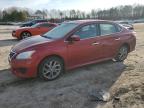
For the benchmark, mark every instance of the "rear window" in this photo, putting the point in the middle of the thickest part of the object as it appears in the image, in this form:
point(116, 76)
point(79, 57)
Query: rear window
point(106, 29)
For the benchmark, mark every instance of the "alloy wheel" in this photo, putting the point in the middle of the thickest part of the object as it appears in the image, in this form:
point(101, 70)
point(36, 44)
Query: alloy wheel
point(25, 35)
point(122, 54)
point(51, 68)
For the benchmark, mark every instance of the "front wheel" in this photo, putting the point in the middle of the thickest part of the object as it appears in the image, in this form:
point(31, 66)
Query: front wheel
point(25, 35)
point(122, 54)
point(51, 68)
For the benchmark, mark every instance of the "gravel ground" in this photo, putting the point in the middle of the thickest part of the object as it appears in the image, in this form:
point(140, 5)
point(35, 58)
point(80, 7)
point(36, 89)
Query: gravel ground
point(123, 80)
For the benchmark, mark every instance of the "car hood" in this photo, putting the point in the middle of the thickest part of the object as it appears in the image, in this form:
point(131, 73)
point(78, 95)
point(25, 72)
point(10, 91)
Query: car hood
point(30, 42)
point(23, 28)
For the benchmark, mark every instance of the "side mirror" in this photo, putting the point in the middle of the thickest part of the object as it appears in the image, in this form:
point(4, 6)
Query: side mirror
point(75, 38)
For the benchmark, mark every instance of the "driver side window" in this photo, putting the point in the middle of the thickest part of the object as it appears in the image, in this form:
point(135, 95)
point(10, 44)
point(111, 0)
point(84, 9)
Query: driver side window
point(87, 31)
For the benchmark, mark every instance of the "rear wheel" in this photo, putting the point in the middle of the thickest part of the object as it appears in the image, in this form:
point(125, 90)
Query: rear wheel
point(25, 35)
point(51, 68)
point(122, 54)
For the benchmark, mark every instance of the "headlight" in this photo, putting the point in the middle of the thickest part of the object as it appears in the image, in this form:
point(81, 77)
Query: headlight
point(24, 55)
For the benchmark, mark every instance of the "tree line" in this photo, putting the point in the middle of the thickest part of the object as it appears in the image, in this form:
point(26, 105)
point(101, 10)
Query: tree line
point(13, 14)
point(130, 12)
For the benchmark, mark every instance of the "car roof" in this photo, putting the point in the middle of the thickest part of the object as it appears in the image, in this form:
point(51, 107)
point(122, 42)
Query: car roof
point(88, 21)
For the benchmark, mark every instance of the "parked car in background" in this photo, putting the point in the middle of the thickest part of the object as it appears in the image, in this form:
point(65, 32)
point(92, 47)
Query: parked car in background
point(128, 26)
point(37, 29)
point(33, 22)
point(70, 45)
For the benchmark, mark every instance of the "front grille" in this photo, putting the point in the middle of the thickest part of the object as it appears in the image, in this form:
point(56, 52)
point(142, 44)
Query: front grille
point(12, 54)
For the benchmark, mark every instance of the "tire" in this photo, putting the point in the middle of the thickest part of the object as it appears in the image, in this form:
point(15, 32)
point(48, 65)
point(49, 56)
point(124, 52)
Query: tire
point(122, 54)
point(25, 35)
point(47, 68)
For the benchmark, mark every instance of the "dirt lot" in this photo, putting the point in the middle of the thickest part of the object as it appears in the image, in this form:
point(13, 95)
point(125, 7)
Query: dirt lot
point(125, 81)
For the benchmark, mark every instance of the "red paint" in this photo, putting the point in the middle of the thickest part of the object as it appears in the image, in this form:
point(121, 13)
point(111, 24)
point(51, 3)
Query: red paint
point(74, 54)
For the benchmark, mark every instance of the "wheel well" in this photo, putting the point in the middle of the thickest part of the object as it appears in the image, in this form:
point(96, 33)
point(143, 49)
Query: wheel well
point(57, 57)
point(127, 45)
point(49, 57)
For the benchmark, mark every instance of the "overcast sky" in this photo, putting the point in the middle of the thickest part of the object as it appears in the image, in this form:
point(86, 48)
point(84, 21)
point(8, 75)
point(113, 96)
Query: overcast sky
point(84, 5)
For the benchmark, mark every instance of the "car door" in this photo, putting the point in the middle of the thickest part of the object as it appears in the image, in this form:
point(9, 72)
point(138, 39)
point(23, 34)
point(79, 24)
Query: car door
point(87, 49)
point(36, 30)
point(46, 27)
point(40, 29)
point(110, 39)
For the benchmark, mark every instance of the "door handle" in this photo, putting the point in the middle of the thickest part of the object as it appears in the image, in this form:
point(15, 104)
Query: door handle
point(95, 43)
point(117, 39)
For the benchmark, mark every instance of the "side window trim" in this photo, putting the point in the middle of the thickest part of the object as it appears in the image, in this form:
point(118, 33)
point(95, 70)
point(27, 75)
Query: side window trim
point(118, 26)
point(98, 27)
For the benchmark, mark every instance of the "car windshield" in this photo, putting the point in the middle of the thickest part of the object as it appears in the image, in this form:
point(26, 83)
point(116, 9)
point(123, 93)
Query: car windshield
point(60, 31)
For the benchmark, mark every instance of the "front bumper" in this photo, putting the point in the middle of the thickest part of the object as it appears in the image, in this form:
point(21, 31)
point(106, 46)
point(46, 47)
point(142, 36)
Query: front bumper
point(14, 34)
point(23, 68)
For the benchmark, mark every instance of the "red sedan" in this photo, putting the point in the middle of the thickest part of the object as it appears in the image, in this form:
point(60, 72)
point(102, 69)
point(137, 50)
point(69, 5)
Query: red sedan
point(37, 29)
point(70, 45)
